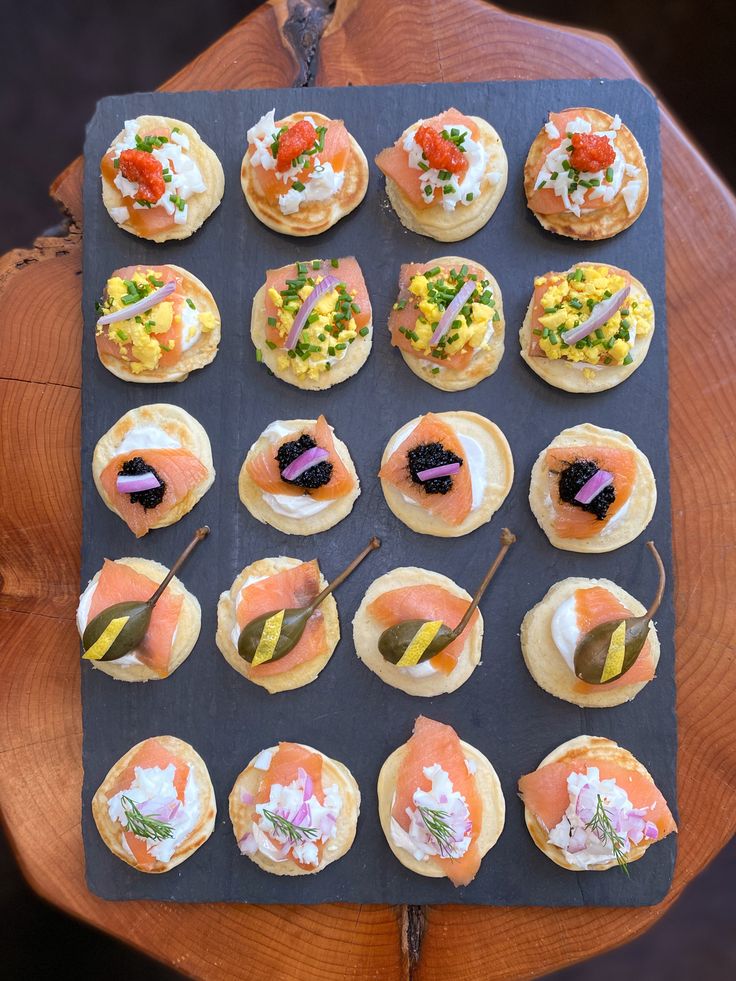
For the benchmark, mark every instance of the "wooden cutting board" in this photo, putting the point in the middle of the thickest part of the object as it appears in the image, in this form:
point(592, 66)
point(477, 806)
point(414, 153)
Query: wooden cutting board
point(360, 42)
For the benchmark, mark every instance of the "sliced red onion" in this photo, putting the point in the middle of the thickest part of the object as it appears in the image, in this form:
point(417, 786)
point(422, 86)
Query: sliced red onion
point(127, 313)
point(456, 305)
point(307, 781)
point(327, 284)
point(133, 483)
point(592, 488)
point(309, 458)
point(246, 797)
point(601, 312)
point(444, 471)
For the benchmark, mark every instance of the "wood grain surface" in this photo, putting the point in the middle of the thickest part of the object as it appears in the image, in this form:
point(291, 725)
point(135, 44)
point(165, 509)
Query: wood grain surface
point(359, 42)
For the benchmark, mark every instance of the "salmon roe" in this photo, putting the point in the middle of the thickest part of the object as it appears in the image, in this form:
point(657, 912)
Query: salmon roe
point(591, 153)
point(298, 138)
point(441, 154)
point(144, 170)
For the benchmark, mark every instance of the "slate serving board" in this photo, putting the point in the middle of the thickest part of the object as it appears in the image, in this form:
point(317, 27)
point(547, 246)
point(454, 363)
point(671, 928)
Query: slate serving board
point(348, 712)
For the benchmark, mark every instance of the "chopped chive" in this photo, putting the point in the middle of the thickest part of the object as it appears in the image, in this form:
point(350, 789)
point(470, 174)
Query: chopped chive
point(628, 359)
point(434, 271)
point(363, 331)
point(334, 263)
point(259, 354)
point(190, 303)
point(317, 264)
point(609, 174)
point(301, 268)
point(579, 276)
point(271, 321)
point(576, 303)
point(428, 190)
point(298, 186)
point(554, 175)
point(435, 371)
point(469, 196)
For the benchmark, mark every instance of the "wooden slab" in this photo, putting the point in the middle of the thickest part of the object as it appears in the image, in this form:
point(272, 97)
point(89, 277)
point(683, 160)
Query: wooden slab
point(363, 42)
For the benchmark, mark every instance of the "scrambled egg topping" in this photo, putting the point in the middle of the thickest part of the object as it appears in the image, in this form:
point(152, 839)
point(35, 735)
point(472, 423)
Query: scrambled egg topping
point(568, 302)
point(328, 333)
point(431, 294)
point(140, 339)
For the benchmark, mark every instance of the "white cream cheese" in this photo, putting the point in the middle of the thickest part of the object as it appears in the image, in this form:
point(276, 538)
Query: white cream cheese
point(296, 505)
point(463, 192)
point(235, 632)
point(154, 795)
point(147, 437)
point(565, 630)
point(191, 329)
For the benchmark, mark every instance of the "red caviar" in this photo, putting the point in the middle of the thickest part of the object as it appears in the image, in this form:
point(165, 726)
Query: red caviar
point(441, 154)
point(298, 138)
point(144, 170)
point(591, 153)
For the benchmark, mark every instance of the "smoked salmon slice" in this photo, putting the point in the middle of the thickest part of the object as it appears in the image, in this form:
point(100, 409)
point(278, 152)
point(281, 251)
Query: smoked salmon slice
point(180, 471)
point(544, 201)
point(545, 792)
point(286, 762)
point(596, 605)
point(454, 506)
point(571, 521)
point(426, 602)
point(406, 318)
point(264, 468)
point(285, 590)
point(149, 755)
point(119, 583)
point(347, 271)
point(336, 152)
point(171, 338)
point(394, 160)
point(434, 742)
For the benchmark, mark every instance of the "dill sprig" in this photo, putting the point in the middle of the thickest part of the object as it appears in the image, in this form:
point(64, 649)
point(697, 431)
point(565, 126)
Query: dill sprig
point(143, 826)
point(294, 832)
point(435, 823)
point(600, 824)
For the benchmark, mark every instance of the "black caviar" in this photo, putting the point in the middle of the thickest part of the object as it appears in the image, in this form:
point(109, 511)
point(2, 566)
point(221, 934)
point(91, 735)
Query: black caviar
point(573, 477)
point(426, 456)
point(135, 467)
point(314, 477)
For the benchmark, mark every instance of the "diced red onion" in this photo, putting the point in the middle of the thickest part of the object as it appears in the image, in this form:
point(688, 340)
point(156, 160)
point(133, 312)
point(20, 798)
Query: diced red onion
point(592, 488)
point(456, 305)
point(307, 781)
point(246, 797)
point(133, 483)
point(327, 284)
point(127, 313)
point(309, 458)
point(600, 313)
point(444, 471)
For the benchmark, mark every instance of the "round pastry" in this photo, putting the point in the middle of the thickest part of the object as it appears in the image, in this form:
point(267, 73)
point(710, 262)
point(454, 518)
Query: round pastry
point(440, 804)
point(294, 810)
point(175, 619)
point(168, 451)
point(298, 477)
point(445, 176)
point(311, 323)
point(592, 490)
point(156, 324)
point(585, 176)
point(448, 322)
point(159, 180)
point(302, 174)
point(410, 593)
point(551, 631)
point(267, 586)
point(461, 498)
point(590, 805)
point(156, 806)
point(587, 329)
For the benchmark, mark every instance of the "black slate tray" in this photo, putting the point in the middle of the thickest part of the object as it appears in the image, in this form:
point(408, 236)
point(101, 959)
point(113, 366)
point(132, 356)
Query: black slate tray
point(348, 712)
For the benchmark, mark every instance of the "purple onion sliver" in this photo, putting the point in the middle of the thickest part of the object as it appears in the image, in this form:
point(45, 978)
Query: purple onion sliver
point(127, 313)
point(592, 487)
point(134, 483)
point(444, 471)
point(456, 305)
point(327, 284)
point(246, 797)
point(309, 458)
point(601, 313)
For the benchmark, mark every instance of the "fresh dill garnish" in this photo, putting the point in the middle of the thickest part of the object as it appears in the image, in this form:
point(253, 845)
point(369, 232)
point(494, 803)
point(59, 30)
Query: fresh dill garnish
point(143, 826)
point(294, 832)
point(600, 825)
point(435, 823)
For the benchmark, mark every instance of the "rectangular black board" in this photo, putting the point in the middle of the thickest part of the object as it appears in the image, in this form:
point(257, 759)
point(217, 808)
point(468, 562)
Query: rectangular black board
point(348, 712)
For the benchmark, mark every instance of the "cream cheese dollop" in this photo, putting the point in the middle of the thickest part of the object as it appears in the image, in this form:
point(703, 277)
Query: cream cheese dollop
point(147, 437)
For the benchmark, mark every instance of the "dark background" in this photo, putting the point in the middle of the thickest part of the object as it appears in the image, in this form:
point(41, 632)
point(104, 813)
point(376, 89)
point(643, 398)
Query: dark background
point(58, 59)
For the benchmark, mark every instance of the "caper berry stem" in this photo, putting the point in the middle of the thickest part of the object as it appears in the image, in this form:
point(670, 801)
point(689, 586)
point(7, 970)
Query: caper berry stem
point(199, 535)
point(372, 544)
point(507, 540)
point(660, 589)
